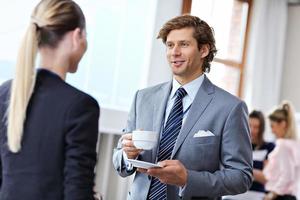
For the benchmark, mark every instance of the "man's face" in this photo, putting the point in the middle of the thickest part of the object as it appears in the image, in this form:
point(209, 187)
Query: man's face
point(183, 54)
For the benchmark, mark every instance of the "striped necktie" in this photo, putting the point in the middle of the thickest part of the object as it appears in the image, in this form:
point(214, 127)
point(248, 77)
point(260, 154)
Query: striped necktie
point(158, 190)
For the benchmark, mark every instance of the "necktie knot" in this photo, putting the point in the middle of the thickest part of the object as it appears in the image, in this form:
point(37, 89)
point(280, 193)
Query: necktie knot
point(180, 93)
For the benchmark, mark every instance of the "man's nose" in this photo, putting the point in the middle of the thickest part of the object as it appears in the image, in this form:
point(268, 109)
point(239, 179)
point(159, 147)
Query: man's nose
point(176, 50)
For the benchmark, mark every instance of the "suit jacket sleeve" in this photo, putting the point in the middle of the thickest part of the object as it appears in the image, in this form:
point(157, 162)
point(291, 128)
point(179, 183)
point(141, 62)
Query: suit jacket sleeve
point(235, 176)
point(118, 161)
point(81, 134)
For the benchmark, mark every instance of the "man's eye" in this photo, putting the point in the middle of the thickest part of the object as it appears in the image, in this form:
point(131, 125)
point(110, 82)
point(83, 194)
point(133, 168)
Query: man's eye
point(184, 44)
point(169, 46)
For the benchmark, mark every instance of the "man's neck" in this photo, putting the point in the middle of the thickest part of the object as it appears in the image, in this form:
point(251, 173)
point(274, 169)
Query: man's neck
point(184, 81)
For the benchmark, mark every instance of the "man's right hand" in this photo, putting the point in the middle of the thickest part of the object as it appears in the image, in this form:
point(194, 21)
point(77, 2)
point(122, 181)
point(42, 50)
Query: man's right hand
point(127, 145)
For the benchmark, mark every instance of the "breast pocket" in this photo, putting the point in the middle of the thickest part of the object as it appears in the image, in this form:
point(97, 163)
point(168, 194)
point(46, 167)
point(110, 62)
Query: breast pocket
point(205, 140)
point(203, 153)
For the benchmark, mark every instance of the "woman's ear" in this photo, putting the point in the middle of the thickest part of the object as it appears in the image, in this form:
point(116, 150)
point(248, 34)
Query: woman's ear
point(76, 36)
point(204, 51)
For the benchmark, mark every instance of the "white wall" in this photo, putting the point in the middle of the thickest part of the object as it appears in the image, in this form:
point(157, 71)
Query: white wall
point(290, 77)
point(290, 87)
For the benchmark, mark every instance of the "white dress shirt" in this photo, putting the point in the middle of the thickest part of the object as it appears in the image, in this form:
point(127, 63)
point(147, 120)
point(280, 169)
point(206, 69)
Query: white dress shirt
point(191, 88)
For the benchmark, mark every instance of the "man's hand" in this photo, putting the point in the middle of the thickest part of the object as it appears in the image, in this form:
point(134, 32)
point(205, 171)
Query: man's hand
point(127, 144)
point(172, 172)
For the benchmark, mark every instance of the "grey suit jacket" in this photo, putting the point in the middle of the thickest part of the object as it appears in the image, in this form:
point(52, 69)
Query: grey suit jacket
point(217, 165)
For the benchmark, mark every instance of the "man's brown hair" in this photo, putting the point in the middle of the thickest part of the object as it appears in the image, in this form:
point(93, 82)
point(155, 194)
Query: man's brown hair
point(203, 33)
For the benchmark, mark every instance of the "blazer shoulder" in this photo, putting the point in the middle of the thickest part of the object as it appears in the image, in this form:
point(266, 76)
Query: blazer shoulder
point(154, 89)
point(4, 97)
point(5, 88)
point(227, 102)
point(77, 94)
point(54, 86)
point(227, 97)
point(221, 96)
point(72, 94)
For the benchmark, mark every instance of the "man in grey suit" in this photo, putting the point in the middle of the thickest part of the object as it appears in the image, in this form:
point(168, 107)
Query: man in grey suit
point(204, 146)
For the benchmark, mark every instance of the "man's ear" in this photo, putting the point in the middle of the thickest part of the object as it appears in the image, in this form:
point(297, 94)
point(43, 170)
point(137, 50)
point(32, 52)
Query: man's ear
point(204, 51)
point(76, 35)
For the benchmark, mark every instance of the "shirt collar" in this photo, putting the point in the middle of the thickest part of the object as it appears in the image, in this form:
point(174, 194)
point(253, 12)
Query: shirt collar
point(191, 88)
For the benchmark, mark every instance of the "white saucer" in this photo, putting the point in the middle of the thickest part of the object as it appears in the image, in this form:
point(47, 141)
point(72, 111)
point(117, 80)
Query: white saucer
point(142, 164)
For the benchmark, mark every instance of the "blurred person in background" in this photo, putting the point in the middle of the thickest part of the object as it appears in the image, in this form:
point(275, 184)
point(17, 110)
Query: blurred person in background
point(48, 129)
point(261, 149)
point(283, 166)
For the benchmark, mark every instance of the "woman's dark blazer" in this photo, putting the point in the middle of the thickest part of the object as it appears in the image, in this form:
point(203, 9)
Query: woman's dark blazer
point(58, 152)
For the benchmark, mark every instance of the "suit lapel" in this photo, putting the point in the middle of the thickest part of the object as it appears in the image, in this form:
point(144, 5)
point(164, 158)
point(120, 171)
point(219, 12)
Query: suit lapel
point(160, 103)
point(201, 101)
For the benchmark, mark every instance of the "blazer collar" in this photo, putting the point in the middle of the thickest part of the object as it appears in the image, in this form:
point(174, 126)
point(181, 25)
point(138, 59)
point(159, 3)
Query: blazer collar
point(200, 103)
point(160, 102)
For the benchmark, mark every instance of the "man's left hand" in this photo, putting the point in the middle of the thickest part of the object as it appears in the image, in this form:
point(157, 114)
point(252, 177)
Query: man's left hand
point(172, 172)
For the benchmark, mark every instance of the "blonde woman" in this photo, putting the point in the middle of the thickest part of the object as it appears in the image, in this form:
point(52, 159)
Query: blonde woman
point(48, 129)
point(282, 169)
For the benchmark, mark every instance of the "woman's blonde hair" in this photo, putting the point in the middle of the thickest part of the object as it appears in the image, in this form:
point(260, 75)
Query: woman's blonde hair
point(50, 20)
point(285, 112)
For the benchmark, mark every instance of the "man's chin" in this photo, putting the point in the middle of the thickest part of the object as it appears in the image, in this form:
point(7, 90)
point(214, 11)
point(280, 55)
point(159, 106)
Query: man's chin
point(177, 73)
point(177, 70)
point(73, 70)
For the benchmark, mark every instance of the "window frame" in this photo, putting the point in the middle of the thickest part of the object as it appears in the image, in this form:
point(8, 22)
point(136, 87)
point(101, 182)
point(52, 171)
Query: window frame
point(186, 9)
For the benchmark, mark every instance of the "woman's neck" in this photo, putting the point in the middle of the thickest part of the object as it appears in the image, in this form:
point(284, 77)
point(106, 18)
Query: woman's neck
point(55, 62)
point(258, 143)
point(57, 70)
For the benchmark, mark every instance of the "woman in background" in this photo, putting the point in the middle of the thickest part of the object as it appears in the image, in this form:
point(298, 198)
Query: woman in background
point(282, 169)
point(261, 149)
point(48, 129)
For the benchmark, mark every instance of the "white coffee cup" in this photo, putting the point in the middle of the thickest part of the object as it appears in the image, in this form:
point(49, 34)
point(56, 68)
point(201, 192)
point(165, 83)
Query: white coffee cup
point(144, 139)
